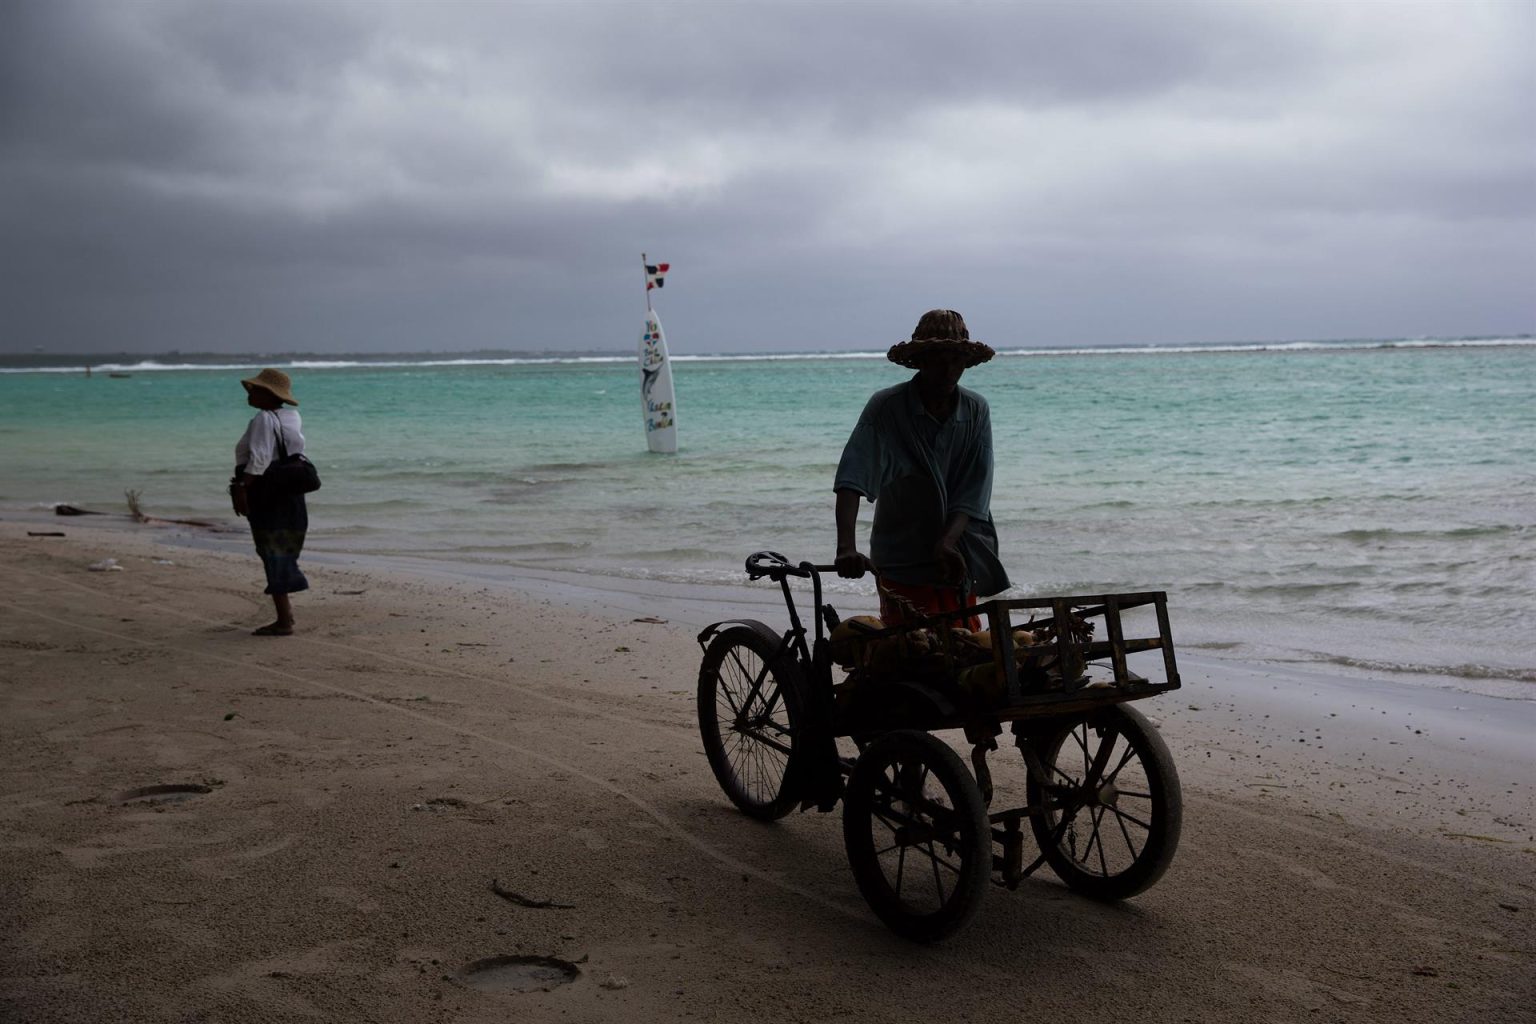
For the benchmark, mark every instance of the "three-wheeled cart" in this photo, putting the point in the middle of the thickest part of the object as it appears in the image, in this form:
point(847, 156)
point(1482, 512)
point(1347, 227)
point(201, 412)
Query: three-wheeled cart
point(1102, 798)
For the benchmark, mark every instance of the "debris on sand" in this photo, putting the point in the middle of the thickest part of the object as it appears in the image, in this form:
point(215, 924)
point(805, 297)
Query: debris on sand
point(526, 901)
point(137, 512)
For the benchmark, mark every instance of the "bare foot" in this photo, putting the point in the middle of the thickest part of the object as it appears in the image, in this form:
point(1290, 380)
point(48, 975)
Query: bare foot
point(274, 629)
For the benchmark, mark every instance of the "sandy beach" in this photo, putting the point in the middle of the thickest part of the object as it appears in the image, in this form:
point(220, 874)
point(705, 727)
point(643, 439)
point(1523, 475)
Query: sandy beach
point(438, 770)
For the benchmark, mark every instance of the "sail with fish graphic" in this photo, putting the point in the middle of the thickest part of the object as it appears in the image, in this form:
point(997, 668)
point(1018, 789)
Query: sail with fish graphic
point(658, 401)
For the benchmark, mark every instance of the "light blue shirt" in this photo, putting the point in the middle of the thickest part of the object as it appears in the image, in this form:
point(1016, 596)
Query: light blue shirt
point(919, 471)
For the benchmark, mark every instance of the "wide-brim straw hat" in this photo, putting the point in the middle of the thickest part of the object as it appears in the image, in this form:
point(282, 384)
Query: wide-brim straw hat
point(275, 381)
point(940, 330)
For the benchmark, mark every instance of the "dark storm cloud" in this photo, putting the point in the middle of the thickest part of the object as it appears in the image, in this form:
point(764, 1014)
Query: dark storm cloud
point(356, 175)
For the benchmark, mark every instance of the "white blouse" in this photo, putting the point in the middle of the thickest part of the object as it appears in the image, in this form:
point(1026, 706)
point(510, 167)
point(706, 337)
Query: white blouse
point(258, 445)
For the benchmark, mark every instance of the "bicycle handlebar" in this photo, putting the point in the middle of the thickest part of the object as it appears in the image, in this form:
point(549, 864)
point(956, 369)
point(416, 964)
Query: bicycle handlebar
point(775, 566)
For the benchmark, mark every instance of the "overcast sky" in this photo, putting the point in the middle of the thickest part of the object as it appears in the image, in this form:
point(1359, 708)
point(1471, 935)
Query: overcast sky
point(329, 176)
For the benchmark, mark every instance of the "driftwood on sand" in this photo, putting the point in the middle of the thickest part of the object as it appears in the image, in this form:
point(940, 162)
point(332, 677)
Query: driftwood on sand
point(527, 901)
point(139, 516)
point(135, 512)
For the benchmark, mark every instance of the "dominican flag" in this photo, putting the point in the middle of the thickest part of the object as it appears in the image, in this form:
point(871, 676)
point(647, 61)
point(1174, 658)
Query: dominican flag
point(655, 275)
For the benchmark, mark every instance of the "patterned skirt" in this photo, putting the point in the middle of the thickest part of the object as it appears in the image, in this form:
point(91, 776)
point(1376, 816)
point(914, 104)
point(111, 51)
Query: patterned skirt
point(278, 525)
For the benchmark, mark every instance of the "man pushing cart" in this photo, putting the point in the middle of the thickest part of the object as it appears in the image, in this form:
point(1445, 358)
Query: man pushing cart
point(923, 836)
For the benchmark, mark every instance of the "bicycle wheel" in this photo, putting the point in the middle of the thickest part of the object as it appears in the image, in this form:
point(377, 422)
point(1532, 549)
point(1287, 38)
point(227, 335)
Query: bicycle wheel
point(751, 706)
point(1109, 811)
point(917, 835)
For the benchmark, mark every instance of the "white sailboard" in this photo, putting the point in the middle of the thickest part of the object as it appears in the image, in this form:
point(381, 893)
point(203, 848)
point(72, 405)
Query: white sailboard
point(658, 401)
point(657, 398)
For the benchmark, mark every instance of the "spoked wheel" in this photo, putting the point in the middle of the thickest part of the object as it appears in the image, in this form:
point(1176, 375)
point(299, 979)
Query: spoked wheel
point(751, 705)
point(1109, 809)
point(917, 835)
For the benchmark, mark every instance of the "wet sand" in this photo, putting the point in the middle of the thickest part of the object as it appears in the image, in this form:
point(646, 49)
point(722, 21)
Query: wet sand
point(437, 771)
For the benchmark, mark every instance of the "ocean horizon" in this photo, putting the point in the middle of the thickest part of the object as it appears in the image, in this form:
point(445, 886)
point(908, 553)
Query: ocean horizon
point(110, 362)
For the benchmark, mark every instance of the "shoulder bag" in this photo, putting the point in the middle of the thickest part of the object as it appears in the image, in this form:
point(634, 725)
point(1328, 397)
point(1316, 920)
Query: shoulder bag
point(290, 474)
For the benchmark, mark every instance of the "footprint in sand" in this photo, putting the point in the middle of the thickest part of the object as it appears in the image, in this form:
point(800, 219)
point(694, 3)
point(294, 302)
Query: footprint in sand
point(513, 974)
point(266, 849)
point(590, 838)
point(168, 793)
point(27, 645)
point(350, 898)
point(1316, 878)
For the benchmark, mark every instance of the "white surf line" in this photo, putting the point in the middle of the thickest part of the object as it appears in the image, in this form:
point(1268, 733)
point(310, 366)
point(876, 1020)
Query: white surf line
point(523, 689)
point(660, 817)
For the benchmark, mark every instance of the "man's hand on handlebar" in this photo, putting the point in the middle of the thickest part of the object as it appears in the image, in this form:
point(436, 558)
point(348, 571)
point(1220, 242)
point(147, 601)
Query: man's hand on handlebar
point(852, 563)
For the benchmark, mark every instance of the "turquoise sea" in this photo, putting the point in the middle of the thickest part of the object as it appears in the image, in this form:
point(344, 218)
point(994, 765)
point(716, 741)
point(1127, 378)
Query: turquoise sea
point(1358, 506)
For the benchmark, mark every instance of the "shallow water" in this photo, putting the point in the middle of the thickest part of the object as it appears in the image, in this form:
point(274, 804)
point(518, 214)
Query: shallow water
point(1368, 507)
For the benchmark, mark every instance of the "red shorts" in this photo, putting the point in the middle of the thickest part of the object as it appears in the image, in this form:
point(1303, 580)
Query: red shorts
point(929, 600)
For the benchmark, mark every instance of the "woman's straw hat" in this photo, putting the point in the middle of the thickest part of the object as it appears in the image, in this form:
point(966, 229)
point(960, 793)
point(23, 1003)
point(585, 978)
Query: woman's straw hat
point(939, 330)
point(275, 381)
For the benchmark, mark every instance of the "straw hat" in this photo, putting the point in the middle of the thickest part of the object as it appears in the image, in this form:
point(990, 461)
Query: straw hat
point(277, 382)
point(939, 330)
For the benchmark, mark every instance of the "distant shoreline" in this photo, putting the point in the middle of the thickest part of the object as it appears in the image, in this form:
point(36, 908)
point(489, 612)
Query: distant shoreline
point(106, 362)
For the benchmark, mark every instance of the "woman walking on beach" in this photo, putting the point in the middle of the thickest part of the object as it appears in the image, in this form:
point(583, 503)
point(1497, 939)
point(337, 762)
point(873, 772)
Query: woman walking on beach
point(278, 519)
